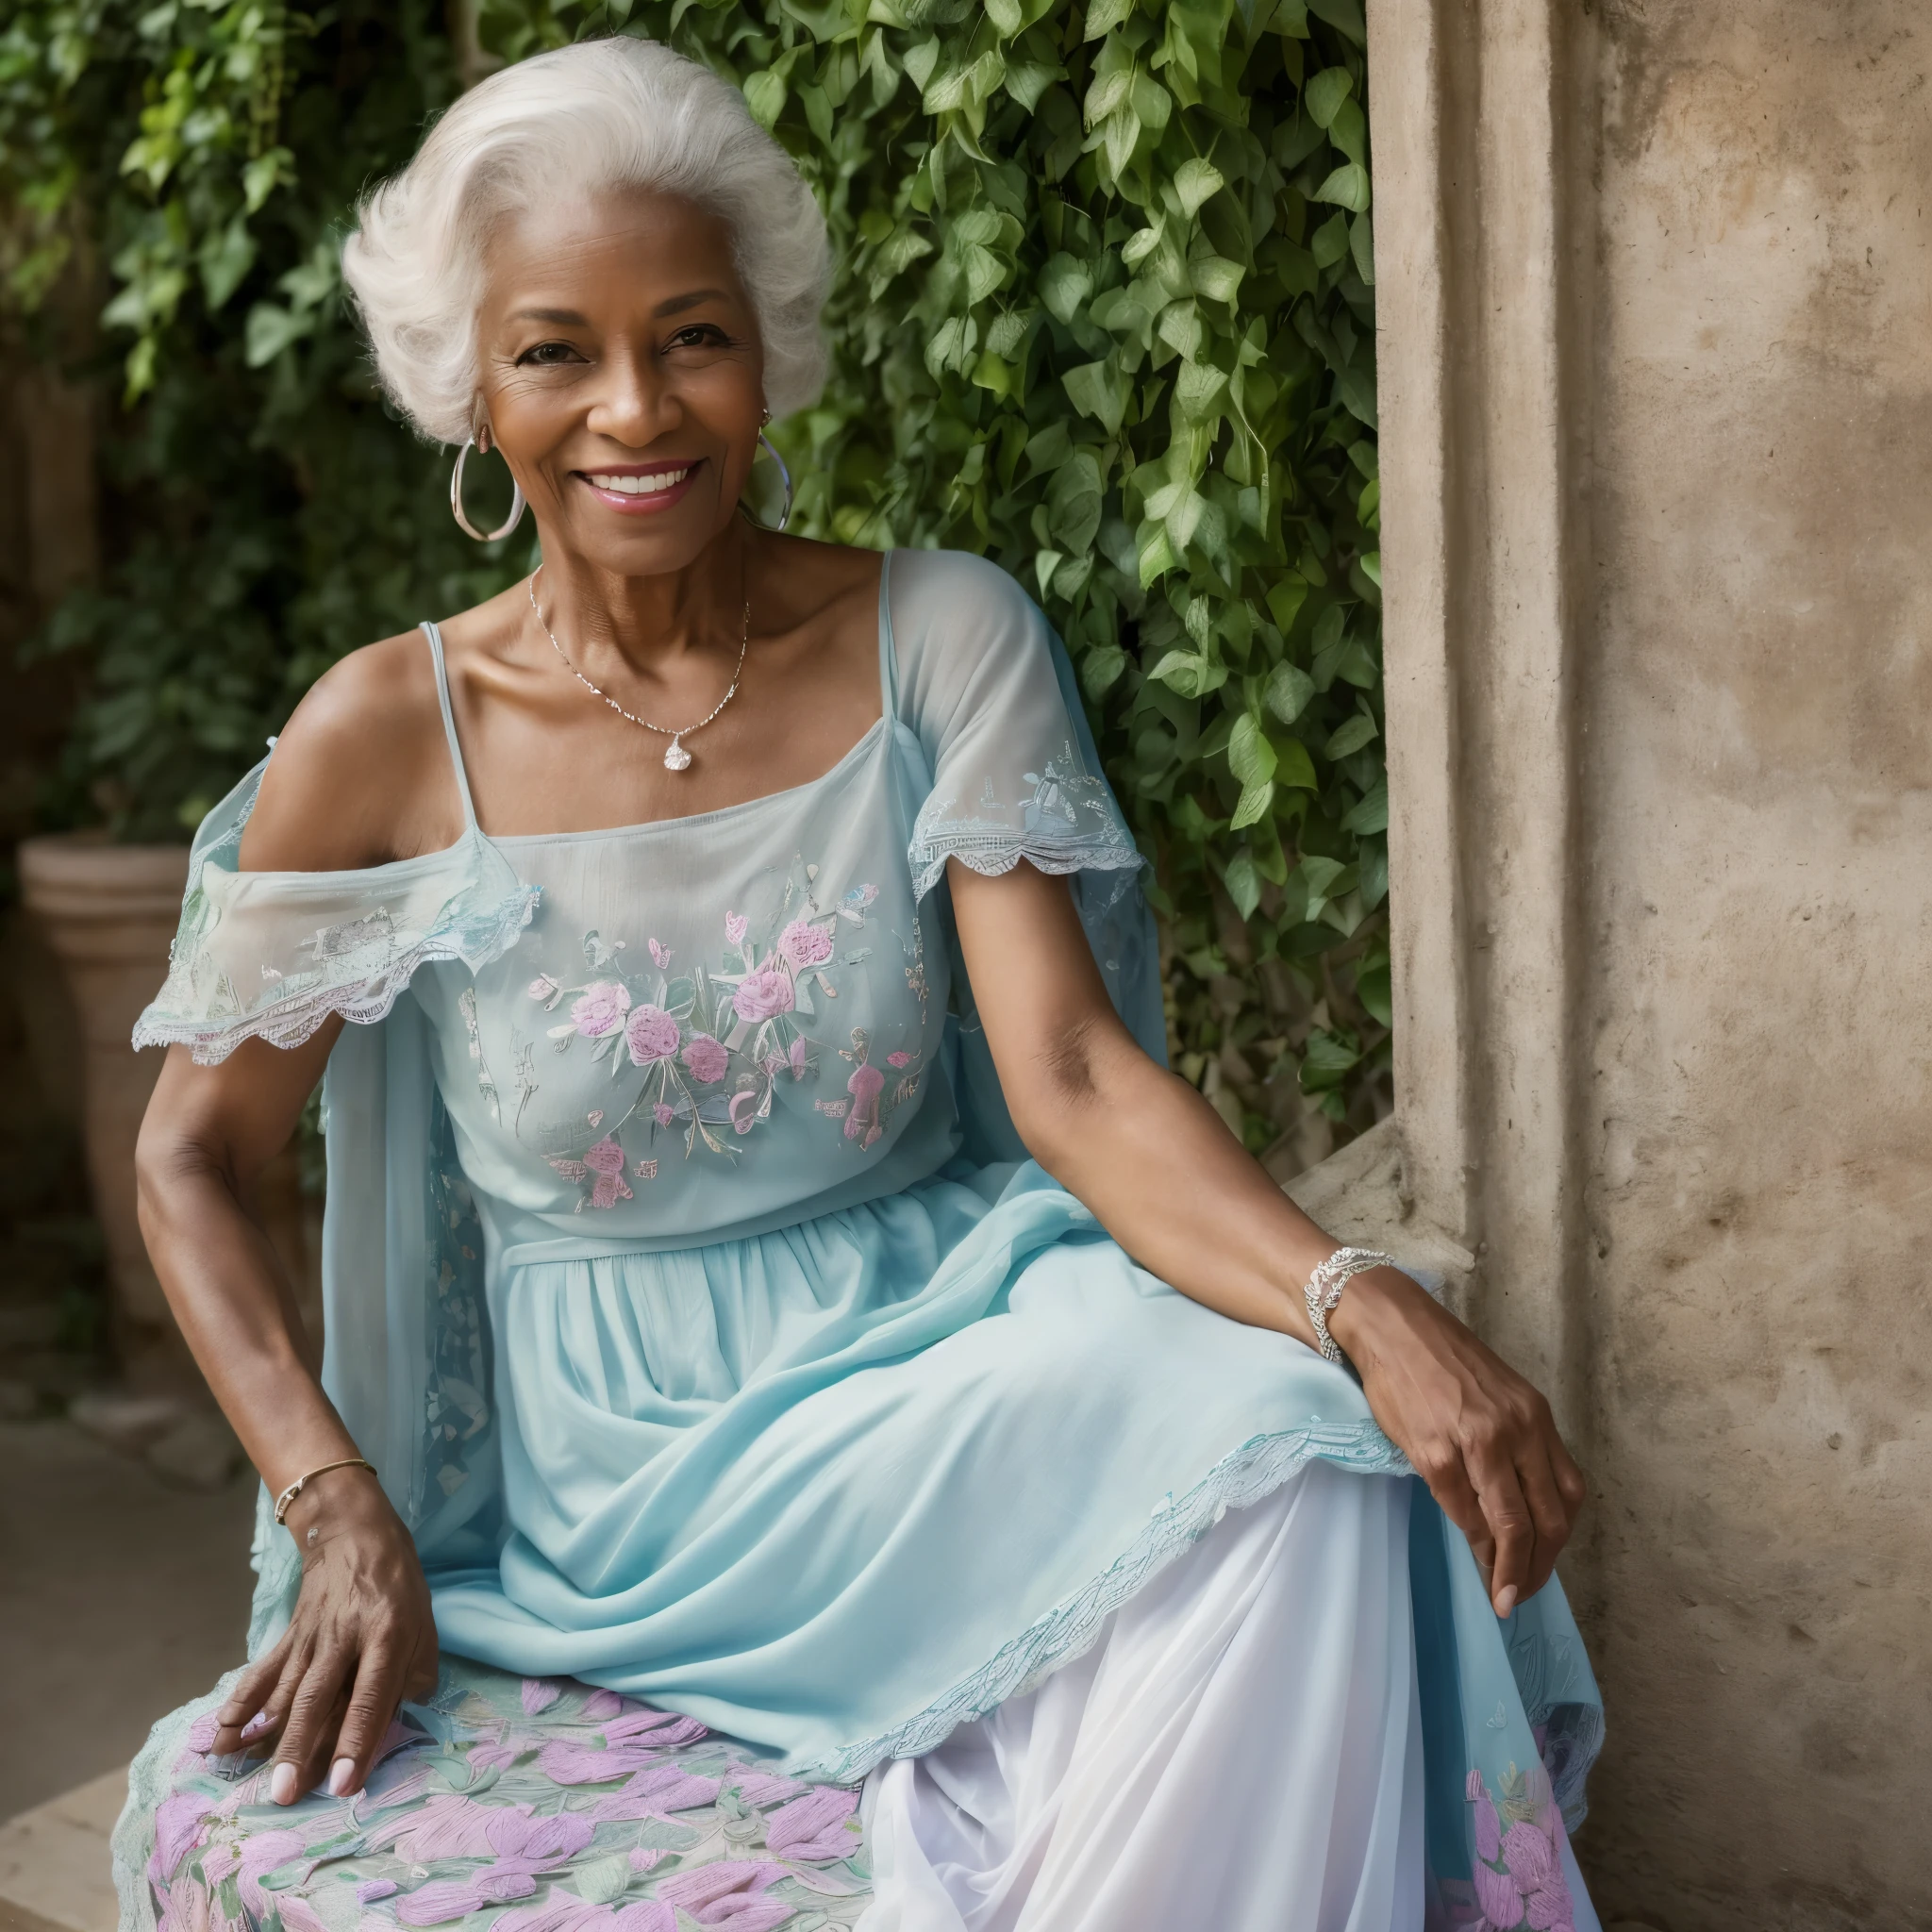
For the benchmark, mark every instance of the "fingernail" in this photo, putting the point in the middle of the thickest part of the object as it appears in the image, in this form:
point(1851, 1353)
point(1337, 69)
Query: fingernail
point(256, 1726)
point(1505, 1600)
point(342, 1774)
point(281, 1784)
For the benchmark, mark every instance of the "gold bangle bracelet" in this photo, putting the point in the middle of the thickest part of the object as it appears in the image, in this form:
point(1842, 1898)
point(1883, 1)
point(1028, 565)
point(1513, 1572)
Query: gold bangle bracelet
point(301, 1482)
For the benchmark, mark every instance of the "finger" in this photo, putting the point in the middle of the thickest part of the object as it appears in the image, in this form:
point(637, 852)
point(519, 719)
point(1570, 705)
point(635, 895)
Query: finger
point(1506, 1513)
point(307, 1735)
point(1548, 1512)
point(1570, 1480)
point(373, 1702)
point(238, 1721)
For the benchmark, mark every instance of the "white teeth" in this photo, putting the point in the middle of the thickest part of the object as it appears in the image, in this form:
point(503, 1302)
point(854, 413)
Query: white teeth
point(644, 485)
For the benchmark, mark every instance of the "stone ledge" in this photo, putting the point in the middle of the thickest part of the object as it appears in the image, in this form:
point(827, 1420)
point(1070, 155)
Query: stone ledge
point(56, 1871)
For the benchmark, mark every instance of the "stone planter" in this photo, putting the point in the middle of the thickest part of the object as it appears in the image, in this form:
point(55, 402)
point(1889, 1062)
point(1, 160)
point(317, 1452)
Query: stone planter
point(109, 912)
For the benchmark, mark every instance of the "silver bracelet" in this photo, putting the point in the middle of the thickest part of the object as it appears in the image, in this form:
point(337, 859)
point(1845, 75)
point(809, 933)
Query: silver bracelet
point(1325, 1286)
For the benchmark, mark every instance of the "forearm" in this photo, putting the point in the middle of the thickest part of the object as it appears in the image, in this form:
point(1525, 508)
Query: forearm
point(237, 1311)
point(1165, 1177)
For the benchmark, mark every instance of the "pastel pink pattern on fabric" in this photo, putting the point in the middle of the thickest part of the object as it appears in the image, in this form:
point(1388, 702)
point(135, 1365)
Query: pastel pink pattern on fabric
point(736, 926)
point(605, 1160)
point(796, 1057)
point(813, 1827)
point(652, 1035)
point(805, 945)
point(660, 955)
point(898, 1059)
point(763, 995)
point(706, 1058)
point(745, 1111)
point(599, 1009)
point(542, 987)
point(664, 1114)
point(865, 1086)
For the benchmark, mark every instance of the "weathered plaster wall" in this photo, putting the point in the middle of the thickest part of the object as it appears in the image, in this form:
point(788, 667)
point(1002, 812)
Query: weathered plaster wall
point(1663, 853)
point(1758, 903)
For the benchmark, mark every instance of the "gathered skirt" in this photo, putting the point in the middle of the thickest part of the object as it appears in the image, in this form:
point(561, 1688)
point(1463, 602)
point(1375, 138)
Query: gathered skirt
point(1125, 1615)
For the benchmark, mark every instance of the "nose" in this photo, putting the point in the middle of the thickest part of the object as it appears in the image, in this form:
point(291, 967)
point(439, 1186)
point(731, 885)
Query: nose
point(633, 404)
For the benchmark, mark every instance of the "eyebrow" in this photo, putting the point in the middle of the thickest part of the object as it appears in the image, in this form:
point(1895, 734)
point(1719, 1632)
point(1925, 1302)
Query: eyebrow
point(569, 318)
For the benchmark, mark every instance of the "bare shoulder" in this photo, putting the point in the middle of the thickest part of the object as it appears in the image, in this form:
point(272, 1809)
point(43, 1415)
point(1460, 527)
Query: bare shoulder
point(360, 774)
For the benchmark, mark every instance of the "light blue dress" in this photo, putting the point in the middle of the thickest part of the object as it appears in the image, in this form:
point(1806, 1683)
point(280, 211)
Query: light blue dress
point(688, 1287)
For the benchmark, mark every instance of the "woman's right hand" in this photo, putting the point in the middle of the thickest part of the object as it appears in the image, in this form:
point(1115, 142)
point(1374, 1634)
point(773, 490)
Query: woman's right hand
point(362, 1638)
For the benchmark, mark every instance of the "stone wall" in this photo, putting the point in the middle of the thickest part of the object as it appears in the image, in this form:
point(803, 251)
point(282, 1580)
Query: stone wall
point(1655, 287)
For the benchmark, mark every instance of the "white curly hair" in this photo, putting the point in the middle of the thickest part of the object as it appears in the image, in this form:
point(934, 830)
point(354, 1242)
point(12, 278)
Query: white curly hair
point(603, 114)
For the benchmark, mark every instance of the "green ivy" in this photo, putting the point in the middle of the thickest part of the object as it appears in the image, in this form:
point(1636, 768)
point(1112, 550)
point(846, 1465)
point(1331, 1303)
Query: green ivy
point(1104, 313)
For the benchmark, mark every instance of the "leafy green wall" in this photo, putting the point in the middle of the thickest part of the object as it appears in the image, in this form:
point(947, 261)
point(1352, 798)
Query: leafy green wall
point(1104, 313)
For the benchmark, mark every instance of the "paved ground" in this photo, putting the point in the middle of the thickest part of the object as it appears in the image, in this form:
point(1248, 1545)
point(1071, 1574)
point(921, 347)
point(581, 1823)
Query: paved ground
point(120, 1598)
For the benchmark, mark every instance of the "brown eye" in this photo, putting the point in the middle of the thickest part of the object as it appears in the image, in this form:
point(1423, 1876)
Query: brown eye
point(547, 355)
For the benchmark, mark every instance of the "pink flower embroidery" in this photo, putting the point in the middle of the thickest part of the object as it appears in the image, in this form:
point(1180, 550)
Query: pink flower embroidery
point(660, 955)
point(745, 1111)
point(898, 1059)
point(796, 1057)
point(805, 945)
point(706, 1058)
point(736, 925)
point(764, 993)
point(542, 987)
point(1501, 1902)
point(662, 1114)
point(652, 1035)
point(1526, 1853)
point(605, 1160)
point(864, 1087)
point(1488, 1830)
point(599, 1009)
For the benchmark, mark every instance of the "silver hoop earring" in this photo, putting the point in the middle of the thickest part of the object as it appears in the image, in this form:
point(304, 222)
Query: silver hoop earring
point(456, 502)
point(785, 514)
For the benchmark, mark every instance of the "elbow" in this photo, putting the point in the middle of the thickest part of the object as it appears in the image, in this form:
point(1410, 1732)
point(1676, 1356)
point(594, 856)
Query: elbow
point(170, 1156)
point(1062, 1088)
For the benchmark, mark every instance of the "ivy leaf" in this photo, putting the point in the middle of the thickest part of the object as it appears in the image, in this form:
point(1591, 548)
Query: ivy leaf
point(1099, 389)
point(1244, 884)
point(1252, 806)
point(1250, 756)
point(1100, 670)
point(1324, 93)
point(1294, 768)
point(1194, 181)
point(1073, 503)
point(1189, 675)
point(1370, 813)
point(1063, 284)
point(1357, 389)
point(1288, 691)
point(1345, 15)
point(1350, 736)
point(1373, 989)
point(227, 257)
point(271, 330)
point(764, 94)
point(1215, 277)
point(1348, 186)
point(1103, 16)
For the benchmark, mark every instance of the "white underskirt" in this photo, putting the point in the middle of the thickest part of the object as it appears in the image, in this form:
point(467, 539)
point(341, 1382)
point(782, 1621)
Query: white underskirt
point(1241, 1751)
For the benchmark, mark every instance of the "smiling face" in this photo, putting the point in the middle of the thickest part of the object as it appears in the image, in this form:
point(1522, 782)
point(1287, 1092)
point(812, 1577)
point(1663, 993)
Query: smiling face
point(621, 378)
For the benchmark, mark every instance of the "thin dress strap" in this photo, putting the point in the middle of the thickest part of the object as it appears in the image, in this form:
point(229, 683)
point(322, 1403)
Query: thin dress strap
point(449, 721)
point(889, 650)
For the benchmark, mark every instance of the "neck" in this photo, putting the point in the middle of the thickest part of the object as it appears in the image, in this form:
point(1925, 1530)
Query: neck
point(648, 625)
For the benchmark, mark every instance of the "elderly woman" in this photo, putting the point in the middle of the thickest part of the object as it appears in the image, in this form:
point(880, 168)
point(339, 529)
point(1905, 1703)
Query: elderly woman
point(699, 938)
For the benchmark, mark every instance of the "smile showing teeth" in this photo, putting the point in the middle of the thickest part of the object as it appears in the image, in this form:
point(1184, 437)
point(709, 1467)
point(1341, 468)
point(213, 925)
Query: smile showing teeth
point(642, 486)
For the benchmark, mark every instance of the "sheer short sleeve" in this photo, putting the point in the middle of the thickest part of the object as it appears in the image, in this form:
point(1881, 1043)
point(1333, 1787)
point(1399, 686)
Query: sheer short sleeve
point(270, 956)
point(1013, 775)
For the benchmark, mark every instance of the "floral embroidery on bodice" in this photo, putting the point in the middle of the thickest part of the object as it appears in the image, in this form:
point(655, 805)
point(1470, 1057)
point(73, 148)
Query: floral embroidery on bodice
point(701, 1027)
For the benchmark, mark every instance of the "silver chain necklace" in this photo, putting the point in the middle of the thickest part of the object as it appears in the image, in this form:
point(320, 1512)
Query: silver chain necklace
point(675, 757)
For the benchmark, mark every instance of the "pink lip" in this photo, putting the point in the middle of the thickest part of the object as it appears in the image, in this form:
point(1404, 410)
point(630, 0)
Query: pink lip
point(656, 503)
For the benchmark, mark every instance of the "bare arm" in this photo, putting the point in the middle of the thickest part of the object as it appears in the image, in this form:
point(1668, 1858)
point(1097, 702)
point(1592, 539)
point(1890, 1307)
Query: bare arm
point(1102, 1118)
point(363, 1637)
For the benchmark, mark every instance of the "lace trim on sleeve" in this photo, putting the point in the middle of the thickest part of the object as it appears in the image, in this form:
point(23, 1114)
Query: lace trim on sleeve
point(1065, 823)
point(268, 957)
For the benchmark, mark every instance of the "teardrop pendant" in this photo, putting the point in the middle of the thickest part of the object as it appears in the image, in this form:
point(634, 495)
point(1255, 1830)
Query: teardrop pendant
point(675, 757)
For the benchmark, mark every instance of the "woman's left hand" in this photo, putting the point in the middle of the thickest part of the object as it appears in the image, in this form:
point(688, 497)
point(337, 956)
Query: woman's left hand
point(1481, 1437)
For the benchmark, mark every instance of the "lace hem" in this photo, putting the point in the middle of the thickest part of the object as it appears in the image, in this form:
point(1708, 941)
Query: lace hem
point(293, 1019)
point(1071, 1629)
point(993, 849)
